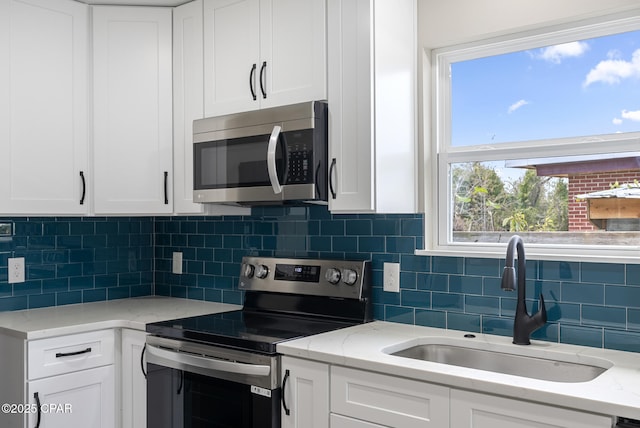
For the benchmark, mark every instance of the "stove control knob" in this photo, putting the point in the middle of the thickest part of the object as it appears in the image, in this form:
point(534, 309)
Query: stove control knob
point(332, 275)
point(262, 271)
point(247, 270)
point(349, 276)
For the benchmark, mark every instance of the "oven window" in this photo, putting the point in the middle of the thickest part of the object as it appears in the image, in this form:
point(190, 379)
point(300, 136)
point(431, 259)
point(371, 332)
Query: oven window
point(240, 162)
point(180, 399)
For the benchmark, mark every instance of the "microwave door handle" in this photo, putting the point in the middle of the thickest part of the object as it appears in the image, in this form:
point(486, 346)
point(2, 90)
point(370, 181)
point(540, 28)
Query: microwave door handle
point(271, 160)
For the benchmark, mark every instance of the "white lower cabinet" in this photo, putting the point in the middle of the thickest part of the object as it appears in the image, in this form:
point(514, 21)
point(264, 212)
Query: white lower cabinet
point(476, 410)
point(78, 399)
point(321, 395)
point(133, 381)
point(388, 400)
point(339, 421)
point(305, 393)
point(70, 379)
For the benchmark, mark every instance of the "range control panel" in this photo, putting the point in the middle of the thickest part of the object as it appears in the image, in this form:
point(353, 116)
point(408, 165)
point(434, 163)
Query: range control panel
point(331, 278)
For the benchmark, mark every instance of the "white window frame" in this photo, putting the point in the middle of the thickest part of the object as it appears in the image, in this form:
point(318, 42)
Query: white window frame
point(439, 154)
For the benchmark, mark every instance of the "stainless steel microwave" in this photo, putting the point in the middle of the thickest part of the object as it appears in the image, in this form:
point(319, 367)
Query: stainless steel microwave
point(270, 156)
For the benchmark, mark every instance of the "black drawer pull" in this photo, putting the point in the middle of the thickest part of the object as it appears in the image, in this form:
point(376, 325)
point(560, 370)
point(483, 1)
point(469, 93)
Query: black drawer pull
point(70, 354)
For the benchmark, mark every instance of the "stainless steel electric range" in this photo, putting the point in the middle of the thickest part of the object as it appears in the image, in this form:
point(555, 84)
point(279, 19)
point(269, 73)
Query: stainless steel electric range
point(222, 370)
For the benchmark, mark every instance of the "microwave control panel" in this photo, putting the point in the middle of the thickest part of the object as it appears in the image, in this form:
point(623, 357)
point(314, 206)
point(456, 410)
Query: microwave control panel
point(299, 159)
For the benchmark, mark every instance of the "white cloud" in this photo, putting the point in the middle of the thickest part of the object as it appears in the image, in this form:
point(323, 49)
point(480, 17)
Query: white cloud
point(612, 71)
point(631, 115)
point(515, 106)
point(557, 53)
point(617, 121)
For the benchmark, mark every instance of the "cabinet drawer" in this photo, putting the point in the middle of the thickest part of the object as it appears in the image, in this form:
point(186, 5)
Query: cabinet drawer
point(388, 400)
point(339, 421)
point(65, 354)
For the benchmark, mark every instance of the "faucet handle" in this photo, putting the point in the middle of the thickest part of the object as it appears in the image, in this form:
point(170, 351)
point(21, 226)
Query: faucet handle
point(542, 311)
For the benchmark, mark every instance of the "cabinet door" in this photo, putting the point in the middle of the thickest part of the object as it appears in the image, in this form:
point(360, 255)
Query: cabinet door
point(305, 394)
point(43, 106)
point(293, 52)
point(188, 100)
point(80, 399)
point(388, 400)
point(372, 105)
point(134, 384)
point(472, 409)
point(231, 56)
point(132, 110)
point(351, 137)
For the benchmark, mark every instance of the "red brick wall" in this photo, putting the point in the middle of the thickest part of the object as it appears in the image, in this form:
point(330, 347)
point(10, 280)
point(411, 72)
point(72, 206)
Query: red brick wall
point(586, 183)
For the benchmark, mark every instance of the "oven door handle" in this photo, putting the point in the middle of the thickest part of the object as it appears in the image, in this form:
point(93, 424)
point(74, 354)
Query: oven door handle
point(158, 356)
point(271, 160)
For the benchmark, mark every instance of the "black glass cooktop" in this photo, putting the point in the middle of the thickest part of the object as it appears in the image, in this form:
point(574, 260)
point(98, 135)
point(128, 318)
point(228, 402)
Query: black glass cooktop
point(243, 329)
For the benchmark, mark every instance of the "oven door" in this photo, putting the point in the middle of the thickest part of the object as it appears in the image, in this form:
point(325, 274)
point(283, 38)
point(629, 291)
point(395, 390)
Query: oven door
point(193, 385)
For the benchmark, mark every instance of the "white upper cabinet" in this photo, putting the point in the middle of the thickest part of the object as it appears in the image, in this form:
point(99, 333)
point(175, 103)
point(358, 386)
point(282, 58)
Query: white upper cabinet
point(188, 100)
point(372, 63)
point(263, 53)
point(188, 105)
point(43, 107)
point(132, 110)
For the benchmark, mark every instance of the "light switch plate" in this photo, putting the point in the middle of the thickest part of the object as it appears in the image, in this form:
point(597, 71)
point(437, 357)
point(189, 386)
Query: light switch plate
point(391, 277)
point(177, 263)
point(16, 270)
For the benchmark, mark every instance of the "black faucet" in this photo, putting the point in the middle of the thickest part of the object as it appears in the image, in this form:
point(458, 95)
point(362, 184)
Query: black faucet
point(524, 324)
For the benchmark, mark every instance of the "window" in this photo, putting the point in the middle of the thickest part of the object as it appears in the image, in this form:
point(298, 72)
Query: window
point(539, 134)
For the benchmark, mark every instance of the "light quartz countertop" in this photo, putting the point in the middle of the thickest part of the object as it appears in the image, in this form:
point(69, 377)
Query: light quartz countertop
point(134, 313)
point(616, 392)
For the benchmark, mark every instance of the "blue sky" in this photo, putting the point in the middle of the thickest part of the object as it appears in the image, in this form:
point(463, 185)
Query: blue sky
point(575, 89)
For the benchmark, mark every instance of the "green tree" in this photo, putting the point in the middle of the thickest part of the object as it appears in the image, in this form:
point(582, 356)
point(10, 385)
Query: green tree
point(557, 215)
point(483, 202)
point(479, 193)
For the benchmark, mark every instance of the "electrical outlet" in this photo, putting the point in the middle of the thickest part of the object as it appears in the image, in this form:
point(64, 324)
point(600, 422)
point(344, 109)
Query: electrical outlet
point(391, 277)
point(16, 270)
point(177, 263)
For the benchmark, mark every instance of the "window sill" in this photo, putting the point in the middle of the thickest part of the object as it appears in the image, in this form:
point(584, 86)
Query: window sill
point(595, 255)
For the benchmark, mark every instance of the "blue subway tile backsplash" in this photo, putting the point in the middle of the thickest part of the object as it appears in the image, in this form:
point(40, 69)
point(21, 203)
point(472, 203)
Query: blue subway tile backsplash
point(75, 260)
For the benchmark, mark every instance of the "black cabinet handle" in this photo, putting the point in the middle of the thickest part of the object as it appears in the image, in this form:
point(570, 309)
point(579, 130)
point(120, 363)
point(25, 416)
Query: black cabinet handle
point(262, 74)
point(331, 188)
point(144, 349)
point(166, 190)
point(84, 188)
point(70, 354)
point(251, 77)
point(287, 411)
point(181, 384)
point(37, 397)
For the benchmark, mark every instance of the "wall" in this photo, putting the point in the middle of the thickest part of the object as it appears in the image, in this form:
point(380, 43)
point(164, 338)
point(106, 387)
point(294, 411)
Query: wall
point(592, 304)
point(445, 23)
point(579, 184)
point(73, 260)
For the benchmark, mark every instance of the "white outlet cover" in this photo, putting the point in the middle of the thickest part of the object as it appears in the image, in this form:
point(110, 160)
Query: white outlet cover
point(177, 263)
point(391, 280)
point(15, 270)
